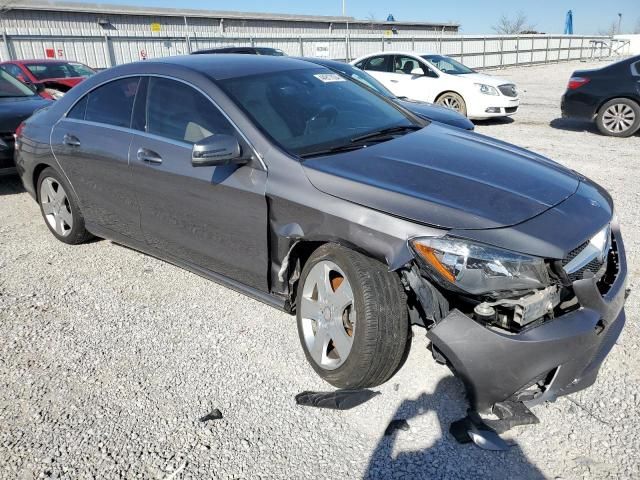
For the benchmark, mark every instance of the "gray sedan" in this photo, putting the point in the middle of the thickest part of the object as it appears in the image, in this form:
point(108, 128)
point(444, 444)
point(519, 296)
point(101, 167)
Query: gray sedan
point(285, 181)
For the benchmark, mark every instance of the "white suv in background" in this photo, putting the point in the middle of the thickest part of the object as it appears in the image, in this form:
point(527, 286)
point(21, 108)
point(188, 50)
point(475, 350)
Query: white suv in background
point(442, 80)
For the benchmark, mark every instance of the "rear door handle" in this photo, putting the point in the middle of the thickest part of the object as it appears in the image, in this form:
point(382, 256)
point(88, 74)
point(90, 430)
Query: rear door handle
point(149, 156)
point(71, 140)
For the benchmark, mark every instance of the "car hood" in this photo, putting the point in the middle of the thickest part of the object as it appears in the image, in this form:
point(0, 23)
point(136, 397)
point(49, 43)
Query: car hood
point(446, 177)
point(437, 113)
point(486, 79)
point(14, 110)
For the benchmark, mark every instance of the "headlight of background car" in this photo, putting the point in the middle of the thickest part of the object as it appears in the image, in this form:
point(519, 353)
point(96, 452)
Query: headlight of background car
point(480, 269)
point(487, 89)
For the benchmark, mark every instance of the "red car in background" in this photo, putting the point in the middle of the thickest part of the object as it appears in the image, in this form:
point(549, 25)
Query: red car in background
point(50, 78)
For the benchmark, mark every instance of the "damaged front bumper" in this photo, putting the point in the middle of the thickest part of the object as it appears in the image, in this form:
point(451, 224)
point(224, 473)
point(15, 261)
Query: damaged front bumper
point(558, 357)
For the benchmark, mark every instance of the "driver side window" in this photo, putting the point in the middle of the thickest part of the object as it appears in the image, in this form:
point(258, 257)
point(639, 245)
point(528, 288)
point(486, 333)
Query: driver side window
point(405, 65)
point(179, 112)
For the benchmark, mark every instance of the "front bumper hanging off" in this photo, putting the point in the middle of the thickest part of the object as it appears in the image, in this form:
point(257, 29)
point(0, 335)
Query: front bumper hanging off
point(567, 351)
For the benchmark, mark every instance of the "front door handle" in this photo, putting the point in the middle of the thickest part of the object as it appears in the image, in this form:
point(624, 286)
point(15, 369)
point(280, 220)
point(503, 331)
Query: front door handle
point(393, 81)
point(71, 140)
point(149, 156)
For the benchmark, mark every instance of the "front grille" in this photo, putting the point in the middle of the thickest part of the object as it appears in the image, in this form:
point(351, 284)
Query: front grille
point(508, 90)
point(593, 266)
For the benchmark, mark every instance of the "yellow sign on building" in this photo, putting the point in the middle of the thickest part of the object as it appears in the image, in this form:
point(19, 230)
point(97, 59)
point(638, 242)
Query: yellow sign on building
point(155, 27)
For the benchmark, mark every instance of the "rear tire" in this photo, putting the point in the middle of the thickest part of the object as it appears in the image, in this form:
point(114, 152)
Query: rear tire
point(352, 318)
point(452, 101)
point(59, 208)
point(619, 117)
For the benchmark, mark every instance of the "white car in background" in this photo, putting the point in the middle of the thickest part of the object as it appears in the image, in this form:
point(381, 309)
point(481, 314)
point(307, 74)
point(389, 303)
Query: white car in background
point(442, 80)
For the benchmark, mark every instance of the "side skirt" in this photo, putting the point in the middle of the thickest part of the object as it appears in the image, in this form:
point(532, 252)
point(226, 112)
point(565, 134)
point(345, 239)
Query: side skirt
point(264, 297)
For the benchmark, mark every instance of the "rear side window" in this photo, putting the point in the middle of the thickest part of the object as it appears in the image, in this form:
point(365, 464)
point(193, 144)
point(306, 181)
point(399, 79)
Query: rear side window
point(13, 70)
point(179, 112)
point(79, 109)
point(112, 103)
point(379, 64)
point(636, 67)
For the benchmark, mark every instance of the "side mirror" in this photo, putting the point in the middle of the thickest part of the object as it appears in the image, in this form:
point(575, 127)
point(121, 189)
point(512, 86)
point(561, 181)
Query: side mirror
point(417, 71)
point(217, 150)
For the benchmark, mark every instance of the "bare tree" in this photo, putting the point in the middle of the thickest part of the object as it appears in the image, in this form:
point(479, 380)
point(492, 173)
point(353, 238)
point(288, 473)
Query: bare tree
point(512, 26)
point(610, 30)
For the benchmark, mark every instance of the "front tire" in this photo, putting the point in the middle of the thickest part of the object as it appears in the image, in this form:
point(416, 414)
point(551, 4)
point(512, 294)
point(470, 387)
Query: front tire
point(352, 318)
point(59, 208)
point(452, 101)
point(619, 117)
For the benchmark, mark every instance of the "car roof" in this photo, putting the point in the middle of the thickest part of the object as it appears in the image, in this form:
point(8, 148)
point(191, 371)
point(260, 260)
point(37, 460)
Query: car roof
point(43, 60)
point(401, 52)
point(221, 67)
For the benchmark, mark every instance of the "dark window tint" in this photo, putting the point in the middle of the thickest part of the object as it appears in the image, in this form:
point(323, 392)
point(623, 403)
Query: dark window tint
point(14, 70)
point(178, 111)
point(378, 64)
point(360, 64)
point(112, 103)
point(637, 68)
point(406, 65)
point(43, 71)
point(78, 109)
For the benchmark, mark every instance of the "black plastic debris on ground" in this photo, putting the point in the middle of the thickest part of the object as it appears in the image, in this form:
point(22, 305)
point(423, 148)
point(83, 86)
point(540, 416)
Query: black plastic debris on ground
point(399, 424)
point(336, 400)
point(473, 429)
point(213, 415)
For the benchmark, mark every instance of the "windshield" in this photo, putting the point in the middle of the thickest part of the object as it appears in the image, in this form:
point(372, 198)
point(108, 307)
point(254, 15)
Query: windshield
point(312, 110)
point(447, 65)
point(12, 87)
point(364, 78)
point(43, 71)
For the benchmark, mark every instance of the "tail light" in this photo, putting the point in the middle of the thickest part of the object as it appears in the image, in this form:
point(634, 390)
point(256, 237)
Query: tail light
point(18, 132)
point(577, 82)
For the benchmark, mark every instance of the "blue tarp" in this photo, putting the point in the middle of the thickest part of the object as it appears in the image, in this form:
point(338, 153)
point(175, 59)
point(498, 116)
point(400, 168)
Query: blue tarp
point(568, 25)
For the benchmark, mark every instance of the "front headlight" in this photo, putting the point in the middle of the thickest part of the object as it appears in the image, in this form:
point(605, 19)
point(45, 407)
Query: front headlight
point(487, 89)
point(480, 269)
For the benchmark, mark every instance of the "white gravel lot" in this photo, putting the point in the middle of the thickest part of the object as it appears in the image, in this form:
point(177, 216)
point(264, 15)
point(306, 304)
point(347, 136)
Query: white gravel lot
point(108, 358)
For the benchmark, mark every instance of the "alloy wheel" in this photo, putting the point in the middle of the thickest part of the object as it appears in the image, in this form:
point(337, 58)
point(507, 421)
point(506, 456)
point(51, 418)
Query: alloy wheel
point(327, 310)
point(618, 118)
point(55, 206)
point(450, 102)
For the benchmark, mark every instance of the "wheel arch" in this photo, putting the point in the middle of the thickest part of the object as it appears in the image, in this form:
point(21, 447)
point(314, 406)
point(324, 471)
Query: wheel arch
point(615, 97)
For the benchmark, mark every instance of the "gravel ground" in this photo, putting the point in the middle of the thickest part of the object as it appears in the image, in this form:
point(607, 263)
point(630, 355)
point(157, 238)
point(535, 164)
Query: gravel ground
point(108, 359)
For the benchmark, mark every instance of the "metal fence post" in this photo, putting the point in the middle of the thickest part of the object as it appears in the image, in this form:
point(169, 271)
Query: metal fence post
point(382, 42)
point(252, 41)
point(347, 48)
point(484, 52)
point(569, 51)
point(6, 54)
point(501, 51)
point(440, 45)
point(301, 47)
point(462, 49)
point(413, 44)
point(546, 51)
point(108, 51)
point(517, 49)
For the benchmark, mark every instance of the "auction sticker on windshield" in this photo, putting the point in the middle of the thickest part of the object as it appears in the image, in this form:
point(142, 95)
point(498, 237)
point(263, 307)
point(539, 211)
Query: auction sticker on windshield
point(329, 77)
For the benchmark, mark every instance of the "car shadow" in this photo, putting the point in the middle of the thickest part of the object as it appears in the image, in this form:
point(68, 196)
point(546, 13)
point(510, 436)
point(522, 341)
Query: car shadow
point(11, 185)
point(491, 122)
point(445, 458)
point(572, 125)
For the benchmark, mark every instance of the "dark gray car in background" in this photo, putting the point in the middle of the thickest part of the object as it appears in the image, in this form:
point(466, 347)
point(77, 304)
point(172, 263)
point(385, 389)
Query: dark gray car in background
point(281, 179)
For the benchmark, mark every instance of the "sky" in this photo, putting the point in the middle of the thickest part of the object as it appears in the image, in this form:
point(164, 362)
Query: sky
point(475, 16)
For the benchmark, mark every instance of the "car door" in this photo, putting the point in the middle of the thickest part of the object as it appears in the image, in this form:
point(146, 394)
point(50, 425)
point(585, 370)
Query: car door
point(417, 86)
point(381, 68)
point(213, 218)
point(91, 143)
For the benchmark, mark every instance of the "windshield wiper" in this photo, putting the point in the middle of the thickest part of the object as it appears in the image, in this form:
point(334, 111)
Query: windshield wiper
point(328, 151)
point(385, 132)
